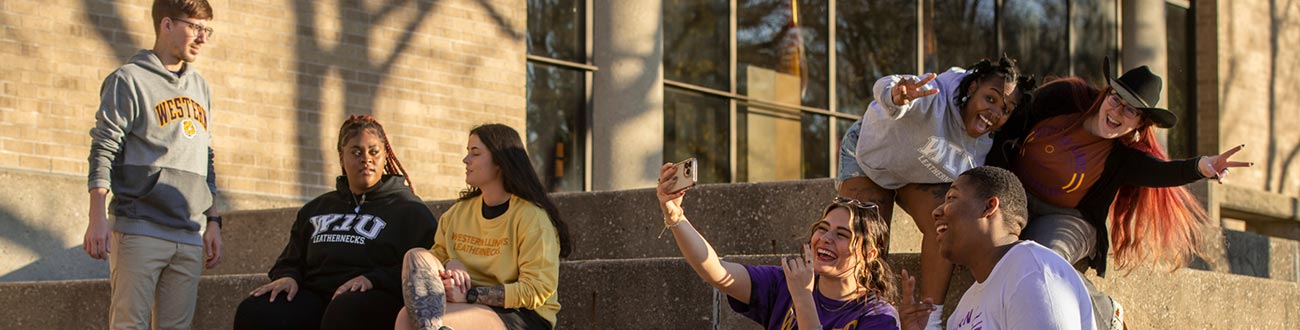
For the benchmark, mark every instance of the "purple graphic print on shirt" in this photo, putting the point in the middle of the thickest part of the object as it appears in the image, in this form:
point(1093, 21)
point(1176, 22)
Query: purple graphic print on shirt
point(770, 305)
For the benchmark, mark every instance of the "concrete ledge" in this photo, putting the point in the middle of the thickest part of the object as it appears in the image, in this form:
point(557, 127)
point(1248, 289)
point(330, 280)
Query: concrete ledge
point(664, 293)
point(43, 225)
point(1194, 299)
point(83, 304)
point(738, 219)
point(745, 218)
point(1255, 205)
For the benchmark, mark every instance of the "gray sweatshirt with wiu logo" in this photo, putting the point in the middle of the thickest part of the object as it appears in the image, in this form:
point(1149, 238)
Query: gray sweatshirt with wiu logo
point(151, 147)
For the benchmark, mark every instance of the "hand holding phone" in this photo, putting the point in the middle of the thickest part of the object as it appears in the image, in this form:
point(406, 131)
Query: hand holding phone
point(687, 175)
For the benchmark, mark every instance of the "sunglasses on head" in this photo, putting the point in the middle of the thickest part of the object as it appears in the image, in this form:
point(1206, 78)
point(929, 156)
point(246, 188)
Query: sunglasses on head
point(855, 203)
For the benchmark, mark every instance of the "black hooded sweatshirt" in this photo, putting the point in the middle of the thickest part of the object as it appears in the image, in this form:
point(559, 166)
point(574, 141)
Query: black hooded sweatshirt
point(339, 236)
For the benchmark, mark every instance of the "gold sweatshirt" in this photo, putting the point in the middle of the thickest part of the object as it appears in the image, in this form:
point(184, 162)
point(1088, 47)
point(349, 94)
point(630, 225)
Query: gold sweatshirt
point(519, 250)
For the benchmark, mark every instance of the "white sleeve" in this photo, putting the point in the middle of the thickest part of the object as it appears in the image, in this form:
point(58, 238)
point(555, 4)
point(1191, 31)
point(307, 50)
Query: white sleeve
point(1045, 301)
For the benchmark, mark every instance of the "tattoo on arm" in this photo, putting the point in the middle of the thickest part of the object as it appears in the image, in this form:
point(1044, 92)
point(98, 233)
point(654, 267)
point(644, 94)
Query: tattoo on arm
point(491, 296)
point(423, 293)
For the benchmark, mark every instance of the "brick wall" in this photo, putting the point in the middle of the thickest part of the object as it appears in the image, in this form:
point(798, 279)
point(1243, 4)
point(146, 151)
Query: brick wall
point(284, 75)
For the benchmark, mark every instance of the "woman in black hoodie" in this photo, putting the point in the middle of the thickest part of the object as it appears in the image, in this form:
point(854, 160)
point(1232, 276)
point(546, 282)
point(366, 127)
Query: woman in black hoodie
point(345, 248)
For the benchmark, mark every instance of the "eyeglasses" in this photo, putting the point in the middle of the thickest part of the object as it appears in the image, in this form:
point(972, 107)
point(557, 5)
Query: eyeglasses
point(855, 203)
point(1129, 110)
point(206, 31)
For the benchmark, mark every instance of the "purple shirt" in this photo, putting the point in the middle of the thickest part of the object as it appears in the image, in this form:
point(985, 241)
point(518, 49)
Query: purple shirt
point(770, 305)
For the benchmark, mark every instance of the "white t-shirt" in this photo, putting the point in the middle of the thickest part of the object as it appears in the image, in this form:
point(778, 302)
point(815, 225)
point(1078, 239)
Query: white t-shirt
point(1030, 288)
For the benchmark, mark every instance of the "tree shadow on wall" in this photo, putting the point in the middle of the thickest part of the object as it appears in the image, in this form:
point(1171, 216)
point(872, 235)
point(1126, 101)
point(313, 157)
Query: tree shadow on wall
point(1280, 21)
point(106, 16)
point(362, 74)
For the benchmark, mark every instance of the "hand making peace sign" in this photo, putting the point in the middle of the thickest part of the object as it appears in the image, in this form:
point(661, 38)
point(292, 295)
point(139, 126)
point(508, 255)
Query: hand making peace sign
point(909, 89)
point(1216, 167)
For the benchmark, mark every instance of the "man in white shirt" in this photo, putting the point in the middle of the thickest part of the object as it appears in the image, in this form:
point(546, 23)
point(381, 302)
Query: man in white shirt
point(1018, 284)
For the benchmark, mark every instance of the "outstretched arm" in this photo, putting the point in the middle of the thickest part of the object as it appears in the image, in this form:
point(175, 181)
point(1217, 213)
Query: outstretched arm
point(730, 278)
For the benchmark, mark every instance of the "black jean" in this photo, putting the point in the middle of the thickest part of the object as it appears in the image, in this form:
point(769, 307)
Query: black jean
point(373, 309)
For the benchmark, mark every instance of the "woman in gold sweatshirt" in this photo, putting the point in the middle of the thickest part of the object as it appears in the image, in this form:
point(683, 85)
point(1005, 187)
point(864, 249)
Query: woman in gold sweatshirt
point(495, 261)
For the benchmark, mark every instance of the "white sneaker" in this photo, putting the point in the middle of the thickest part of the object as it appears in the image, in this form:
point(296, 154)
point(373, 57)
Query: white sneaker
point(1117, 318)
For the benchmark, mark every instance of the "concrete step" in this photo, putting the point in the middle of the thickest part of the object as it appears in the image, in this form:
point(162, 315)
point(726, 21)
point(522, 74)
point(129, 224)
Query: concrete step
point(738, 219)
point(744, 218)
point(664, 293)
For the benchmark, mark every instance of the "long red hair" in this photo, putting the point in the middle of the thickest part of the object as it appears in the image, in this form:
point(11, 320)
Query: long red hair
point(1163, 225)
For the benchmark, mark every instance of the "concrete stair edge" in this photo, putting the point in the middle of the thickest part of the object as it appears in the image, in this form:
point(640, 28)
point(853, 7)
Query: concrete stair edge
point(663, 292)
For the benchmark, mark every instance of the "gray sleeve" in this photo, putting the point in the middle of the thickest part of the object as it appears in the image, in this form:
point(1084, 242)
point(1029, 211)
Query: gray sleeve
point(883, 89)
point(117, 112)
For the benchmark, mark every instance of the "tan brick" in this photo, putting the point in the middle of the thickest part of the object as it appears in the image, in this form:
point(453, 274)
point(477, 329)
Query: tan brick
point(274, 130)
point(37, 163)
point(68, 166)
point(20, 147)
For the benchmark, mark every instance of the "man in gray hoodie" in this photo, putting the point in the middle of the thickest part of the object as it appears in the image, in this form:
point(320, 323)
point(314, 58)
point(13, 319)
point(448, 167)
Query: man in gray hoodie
point(151, 147)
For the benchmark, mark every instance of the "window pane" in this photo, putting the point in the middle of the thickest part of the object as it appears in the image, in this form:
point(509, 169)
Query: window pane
point(1094, 26)
point(697, 126)
point(782, 57)
point(770, 144)
point(555, 126)
point(958, 33)
point(695, 43)
point(1034, 32)
point(873, 39)
point(554, 29)
point(816, 146)
point(1182, 142)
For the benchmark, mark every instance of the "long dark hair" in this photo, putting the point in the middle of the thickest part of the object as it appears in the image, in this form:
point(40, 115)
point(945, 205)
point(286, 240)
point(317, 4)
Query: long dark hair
point(517, 175)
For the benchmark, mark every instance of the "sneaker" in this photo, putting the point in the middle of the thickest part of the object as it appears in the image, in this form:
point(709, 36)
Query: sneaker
point(1117, 318)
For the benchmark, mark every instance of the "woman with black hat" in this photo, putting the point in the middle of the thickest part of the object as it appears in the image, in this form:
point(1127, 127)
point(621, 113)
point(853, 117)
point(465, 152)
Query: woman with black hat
point(1081, 149)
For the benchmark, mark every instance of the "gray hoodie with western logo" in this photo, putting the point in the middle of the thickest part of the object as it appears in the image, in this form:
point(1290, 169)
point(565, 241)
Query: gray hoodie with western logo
point(151, 148)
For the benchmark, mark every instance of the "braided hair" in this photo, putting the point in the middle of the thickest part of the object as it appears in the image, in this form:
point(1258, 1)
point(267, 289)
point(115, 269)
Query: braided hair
point(356, 124)
point(986, 70)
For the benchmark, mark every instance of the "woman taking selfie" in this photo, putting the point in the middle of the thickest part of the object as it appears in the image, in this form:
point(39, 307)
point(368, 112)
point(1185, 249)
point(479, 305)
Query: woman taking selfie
point(842, 280)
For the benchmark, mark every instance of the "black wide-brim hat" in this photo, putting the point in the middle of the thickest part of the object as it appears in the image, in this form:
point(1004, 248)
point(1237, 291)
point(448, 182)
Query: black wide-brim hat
point(1141, 88)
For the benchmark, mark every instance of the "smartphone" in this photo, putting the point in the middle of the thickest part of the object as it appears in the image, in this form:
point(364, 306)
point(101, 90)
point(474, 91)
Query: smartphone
point(687, 174)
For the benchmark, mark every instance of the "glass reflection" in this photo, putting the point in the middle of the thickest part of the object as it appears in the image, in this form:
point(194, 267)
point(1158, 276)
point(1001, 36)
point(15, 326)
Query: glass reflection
point(1095, 38)
point(816, 140)
point(555, 126)
point(1034, 33)
point(781, 51)
point(697, 125)
point(873, 39)
point(778, 145)
point(958, 33)
point(695, 43)
point(554, 29)
point(1181, 137)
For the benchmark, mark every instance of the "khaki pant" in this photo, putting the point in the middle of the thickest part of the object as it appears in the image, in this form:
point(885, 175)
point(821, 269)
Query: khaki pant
point(153, 281)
